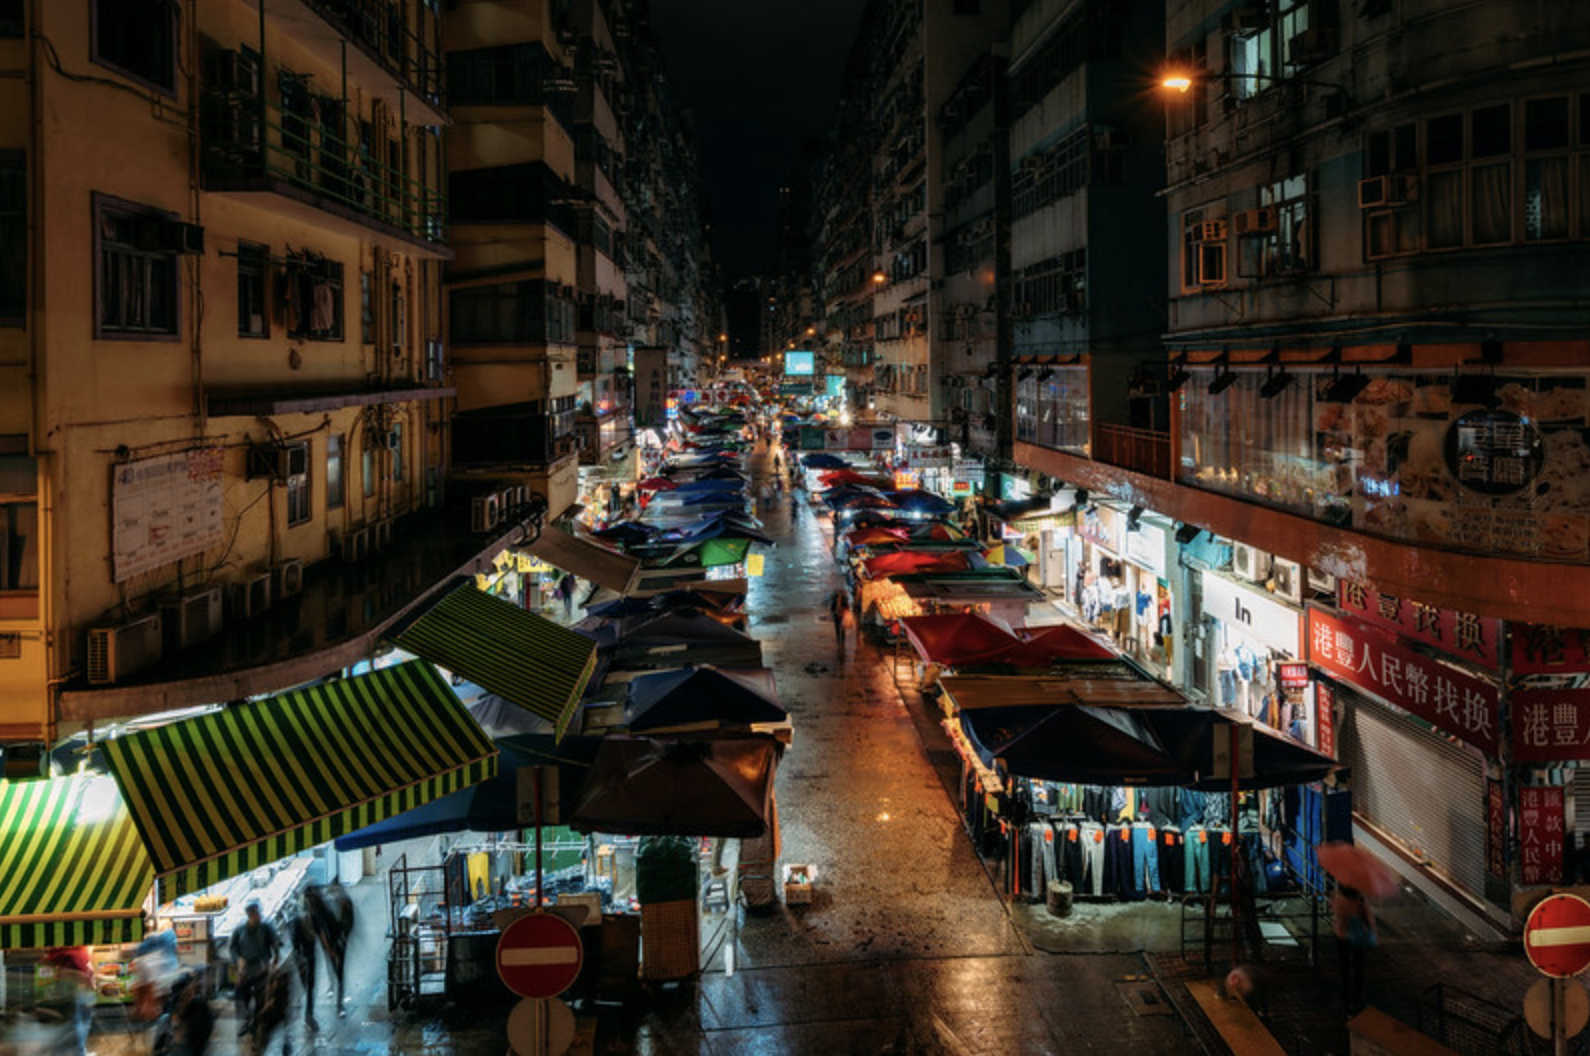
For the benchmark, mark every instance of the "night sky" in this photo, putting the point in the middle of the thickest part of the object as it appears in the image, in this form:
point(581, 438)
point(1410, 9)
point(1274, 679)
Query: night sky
point(758, 75)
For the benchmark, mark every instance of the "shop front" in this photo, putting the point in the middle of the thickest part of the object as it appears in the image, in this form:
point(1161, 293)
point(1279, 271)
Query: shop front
point(1421, 737)
point(1250, 633)
point(1118, 581)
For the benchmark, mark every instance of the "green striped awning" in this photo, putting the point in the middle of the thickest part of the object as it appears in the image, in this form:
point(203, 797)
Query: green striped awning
point(222, 793)
point(523, 658)
point(72, 869)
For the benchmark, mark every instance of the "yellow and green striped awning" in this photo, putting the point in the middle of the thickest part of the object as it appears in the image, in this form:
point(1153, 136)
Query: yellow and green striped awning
point(222, 793)
point(523, 658)
point(73, 871)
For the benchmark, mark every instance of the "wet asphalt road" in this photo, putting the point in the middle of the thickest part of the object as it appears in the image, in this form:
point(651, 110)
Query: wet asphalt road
point(906, 946)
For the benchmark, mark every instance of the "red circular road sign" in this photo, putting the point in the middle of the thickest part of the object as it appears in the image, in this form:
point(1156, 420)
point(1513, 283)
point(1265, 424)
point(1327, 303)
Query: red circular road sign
point(539, 955)
point(1557, 935)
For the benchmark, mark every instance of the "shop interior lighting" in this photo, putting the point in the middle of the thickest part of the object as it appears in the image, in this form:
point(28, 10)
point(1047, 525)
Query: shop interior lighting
point(1224, 379)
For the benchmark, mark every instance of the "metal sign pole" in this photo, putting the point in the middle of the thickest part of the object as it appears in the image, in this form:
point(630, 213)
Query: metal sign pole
point(1236, 840)
point(1559, 1017)
point(539, 879)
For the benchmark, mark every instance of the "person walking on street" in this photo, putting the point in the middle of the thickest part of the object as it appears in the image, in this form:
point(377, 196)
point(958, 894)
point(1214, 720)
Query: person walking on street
point(305, 942)
point(839, 612)
point(192, 1019)
point(254, 949)
point(74, 981)
point(1355, 928)
point(337, 933)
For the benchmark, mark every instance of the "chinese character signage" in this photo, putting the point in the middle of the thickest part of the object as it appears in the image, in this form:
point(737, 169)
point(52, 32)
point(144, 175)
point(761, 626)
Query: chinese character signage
point(1493, 452)
point(1476, 639)
point(1540, 834)
point(1292, 676)
point(1550, 725)
point(1459, 703)
point(1545, 649)
point(651, 389)
point(1495, 829)
point(1325, 717)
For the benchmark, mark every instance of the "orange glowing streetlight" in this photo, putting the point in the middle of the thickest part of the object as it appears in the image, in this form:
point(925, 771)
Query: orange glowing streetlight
point(879, 277)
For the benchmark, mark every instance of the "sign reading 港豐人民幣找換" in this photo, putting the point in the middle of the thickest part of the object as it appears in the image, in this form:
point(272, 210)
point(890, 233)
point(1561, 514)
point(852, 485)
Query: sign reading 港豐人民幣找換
point(1463, 705)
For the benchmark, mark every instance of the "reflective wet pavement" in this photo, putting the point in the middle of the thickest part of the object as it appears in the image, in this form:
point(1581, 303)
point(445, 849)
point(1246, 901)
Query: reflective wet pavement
point(907, 946)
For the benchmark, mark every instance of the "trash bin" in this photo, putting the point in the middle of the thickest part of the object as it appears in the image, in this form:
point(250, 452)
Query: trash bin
point(1058, 898)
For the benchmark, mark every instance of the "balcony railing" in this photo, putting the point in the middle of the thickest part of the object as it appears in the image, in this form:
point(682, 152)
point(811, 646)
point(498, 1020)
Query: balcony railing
point(383, 32)
point(1139, 450)
point(248, 142)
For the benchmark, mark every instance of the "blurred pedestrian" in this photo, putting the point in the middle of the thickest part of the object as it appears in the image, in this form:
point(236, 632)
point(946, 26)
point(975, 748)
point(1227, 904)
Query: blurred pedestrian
point(338, 935)
point(1354, 925)
point(305, 943)
point(271, 1015)
point(565, 591)
point(74, 990)
point(254, 949)
point(839, 612)
point(192, 1018)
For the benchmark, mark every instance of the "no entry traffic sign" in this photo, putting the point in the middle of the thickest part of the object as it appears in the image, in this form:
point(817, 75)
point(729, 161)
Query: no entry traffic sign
point(539, 955)
point(1557, 935)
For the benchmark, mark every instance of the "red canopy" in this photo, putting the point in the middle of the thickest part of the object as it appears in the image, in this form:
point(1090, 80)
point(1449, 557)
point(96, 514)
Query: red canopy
point(904, 561)
point(957, 638)
point(835, 477)
point(657, 484)
point(874, 536)
point(937, 532)
point(971, 639)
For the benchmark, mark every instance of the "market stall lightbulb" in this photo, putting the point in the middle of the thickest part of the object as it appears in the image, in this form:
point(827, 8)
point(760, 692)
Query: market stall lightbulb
point(884, 816)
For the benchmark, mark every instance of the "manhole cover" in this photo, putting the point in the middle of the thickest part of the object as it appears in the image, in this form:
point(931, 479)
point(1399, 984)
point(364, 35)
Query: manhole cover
point(1145, 999)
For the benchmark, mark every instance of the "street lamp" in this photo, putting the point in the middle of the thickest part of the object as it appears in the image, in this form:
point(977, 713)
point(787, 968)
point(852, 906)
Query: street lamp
point(1182, 81)
point(879, 277)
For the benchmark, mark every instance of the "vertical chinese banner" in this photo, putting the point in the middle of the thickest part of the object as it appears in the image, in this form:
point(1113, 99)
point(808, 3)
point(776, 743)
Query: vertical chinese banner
point(1325, 720)
point(1540, 835)
point(1495, 829)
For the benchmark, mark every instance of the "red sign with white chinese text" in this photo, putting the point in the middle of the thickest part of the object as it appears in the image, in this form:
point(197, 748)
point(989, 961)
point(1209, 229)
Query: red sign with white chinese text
point(1495, 829)
point(1325, 720)
point(1458, 703)
point(1476, 639)
point(1545, 649)
point(1292, 676)
point(1551, 724)
point(1540, 834)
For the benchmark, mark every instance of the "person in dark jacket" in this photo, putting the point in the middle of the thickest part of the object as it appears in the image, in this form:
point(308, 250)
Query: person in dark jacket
point(254, 949)
point(305, 944)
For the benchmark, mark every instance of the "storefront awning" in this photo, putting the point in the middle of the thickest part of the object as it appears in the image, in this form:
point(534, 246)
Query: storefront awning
point(75, 872)
point(222, 793)
point(585, 559)
point(524, 658)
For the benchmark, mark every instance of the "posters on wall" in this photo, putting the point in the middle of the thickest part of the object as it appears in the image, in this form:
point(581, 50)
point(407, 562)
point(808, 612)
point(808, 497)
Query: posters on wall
point(164, 509)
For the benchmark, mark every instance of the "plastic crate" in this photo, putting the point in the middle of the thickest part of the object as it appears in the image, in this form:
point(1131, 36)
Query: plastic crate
point(670, 940)
point(798, 884)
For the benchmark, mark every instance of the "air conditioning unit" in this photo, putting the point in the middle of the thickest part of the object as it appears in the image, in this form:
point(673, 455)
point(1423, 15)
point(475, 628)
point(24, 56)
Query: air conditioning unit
point(287, 579)
point(381, 534)
point(194, 618)
point(116, 652)
point(1254, 221)
point(1212, 231)
point(521, 496)
point(505, 505)
point(1288, 580)
point(1252, 565)
point(1392, 189)
point(1309, 46)
point(232, 128)
point(233, 71)
point(251, 596)
point(354, 545)
point(483, 513)
point(1321, 582)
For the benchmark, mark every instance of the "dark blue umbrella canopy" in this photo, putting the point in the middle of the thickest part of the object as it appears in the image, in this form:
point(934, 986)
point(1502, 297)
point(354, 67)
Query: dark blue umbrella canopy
point(919, 501)
point(625, 533)
point(1072, 743)
point(822, 460)
point(694, 695)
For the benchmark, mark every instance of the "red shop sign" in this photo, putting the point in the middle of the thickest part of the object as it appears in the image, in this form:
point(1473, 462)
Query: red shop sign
point(1292, 676)
point(1458, 703)
point(1551, 725)
point(1495, 829)
point(1476, 639)
point(1540, 834)
point(1325, 718)
point(1545, 649)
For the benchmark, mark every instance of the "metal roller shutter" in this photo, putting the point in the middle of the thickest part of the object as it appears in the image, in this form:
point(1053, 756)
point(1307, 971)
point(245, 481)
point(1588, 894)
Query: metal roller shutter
point(1581, 803)
point(1425, 791)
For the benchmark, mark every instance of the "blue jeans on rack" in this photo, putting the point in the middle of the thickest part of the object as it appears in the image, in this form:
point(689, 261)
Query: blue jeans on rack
point(1196, 860)
point(1145, 859)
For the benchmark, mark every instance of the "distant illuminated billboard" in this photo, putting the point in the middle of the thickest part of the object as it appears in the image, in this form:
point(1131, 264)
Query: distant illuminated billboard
point(799, 364)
